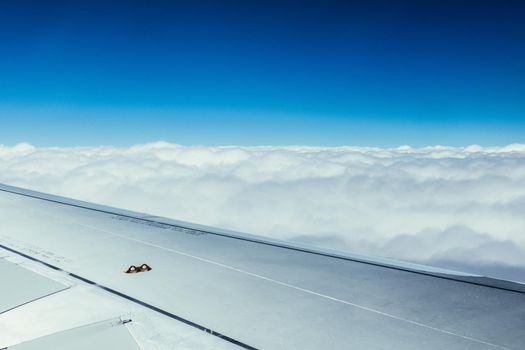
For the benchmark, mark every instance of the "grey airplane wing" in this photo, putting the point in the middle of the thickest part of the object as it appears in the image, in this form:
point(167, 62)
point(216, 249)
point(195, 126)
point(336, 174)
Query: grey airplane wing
point(65, 279)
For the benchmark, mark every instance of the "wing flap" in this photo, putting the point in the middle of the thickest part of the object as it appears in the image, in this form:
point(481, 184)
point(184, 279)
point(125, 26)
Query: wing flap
point(107, 335)
point(19, 286)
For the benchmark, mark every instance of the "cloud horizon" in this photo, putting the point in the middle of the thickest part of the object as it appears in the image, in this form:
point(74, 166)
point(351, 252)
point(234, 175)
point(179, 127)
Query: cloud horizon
point(454, 207)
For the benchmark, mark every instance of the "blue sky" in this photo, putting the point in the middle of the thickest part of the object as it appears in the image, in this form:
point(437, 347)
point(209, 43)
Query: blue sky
point(252, 73)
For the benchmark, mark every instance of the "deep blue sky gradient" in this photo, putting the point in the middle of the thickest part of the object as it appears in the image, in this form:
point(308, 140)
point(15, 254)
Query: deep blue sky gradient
point(374, 73)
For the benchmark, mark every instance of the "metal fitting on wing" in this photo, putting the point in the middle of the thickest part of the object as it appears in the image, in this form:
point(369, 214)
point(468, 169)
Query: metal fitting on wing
point(141, 268)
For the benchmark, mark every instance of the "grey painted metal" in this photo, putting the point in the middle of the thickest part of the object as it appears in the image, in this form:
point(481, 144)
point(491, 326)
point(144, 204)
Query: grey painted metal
point(260, 292)
point(19, 286)
point(108, 335)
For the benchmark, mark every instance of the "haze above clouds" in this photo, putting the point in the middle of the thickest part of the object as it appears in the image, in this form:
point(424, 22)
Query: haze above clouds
point(460, 208)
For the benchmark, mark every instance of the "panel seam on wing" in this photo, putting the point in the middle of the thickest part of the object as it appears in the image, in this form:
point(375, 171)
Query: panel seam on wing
point(305, 290)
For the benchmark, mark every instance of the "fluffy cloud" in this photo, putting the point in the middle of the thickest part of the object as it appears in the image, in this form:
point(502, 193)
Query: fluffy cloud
point(454, 207)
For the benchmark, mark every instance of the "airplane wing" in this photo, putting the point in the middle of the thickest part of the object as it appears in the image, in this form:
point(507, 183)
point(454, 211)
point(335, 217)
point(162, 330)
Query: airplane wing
point(67, 282)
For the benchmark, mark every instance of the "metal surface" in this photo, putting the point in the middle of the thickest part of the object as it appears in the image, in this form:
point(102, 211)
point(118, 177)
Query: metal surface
point(19, 286)
point(260, 293)
point(108, 335)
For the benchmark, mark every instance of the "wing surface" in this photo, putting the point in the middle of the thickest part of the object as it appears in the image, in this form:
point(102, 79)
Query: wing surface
point(232, 290)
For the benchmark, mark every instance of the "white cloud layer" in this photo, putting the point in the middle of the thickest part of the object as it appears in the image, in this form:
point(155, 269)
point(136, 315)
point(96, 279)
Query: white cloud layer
point(461, 208)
